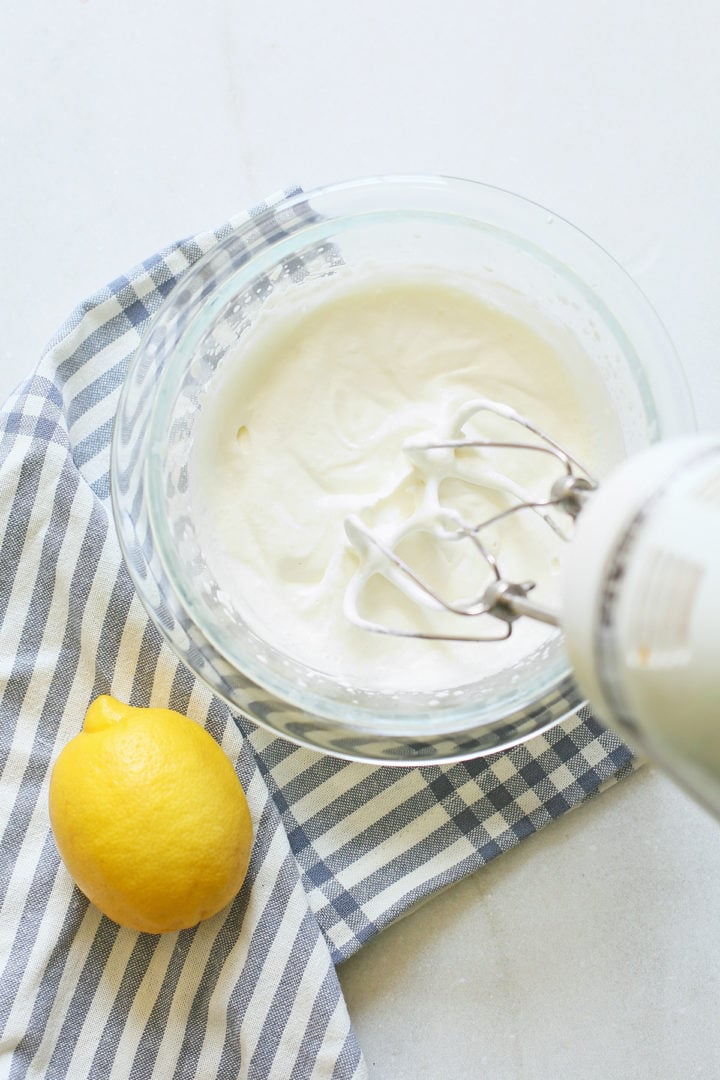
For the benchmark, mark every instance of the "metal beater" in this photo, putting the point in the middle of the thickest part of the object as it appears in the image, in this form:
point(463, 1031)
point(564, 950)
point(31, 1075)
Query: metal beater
point(502, 599)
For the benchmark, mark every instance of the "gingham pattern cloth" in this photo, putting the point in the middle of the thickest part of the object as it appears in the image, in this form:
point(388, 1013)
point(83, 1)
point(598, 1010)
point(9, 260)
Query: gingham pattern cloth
point(341, 850)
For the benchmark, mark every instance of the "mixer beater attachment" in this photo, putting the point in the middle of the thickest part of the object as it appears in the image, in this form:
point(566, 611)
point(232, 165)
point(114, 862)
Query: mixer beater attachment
point(501, 599)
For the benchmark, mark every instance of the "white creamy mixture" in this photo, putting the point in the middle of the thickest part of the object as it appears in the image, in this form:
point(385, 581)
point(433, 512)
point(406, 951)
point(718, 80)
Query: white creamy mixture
point(304, 426)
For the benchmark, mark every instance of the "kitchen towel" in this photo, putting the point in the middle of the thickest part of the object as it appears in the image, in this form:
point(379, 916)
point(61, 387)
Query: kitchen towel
point(341, 850)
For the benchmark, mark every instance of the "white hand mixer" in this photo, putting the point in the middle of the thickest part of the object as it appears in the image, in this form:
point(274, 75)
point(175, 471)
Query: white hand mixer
point(640, 597)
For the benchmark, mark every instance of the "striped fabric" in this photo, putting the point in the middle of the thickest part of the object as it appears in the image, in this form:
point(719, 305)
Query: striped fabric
point(341, 849)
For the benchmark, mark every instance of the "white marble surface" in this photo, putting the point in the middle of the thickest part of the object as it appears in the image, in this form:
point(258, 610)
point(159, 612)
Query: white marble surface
point(591, 950)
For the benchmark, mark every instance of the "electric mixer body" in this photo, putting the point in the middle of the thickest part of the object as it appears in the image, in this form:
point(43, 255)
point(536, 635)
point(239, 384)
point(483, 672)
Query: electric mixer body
point(641, 608)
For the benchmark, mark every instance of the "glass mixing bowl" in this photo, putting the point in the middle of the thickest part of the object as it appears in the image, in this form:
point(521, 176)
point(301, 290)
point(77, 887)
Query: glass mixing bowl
point(520, 257)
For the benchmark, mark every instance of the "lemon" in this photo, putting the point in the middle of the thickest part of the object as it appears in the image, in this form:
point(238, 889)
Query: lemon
point(149, 817)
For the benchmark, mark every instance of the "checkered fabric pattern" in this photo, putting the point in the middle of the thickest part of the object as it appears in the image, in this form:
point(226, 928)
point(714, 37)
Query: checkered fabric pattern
point(341, 850)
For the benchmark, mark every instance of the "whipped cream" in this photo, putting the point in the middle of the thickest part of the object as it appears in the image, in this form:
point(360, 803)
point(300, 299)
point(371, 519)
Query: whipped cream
point(315, 420)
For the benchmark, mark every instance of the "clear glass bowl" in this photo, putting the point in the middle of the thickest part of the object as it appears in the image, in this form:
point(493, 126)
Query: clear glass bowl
point(524, 259)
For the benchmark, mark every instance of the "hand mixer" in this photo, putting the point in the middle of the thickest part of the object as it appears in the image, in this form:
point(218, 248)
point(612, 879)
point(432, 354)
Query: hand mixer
point(640, 595)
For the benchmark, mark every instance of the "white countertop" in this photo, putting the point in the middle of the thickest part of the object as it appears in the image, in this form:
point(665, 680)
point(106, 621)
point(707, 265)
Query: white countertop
point(593, 949)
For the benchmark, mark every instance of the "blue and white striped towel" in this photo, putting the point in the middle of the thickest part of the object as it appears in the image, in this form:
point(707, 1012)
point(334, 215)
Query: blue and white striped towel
point(341, 849)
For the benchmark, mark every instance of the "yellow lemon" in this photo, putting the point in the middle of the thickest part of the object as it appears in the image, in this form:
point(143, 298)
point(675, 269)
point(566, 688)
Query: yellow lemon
point(149, 817)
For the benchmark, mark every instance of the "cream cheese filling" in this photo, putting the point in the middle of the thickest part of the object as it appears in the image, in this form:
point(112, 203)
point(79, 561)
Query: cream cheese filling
point(307, 423)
